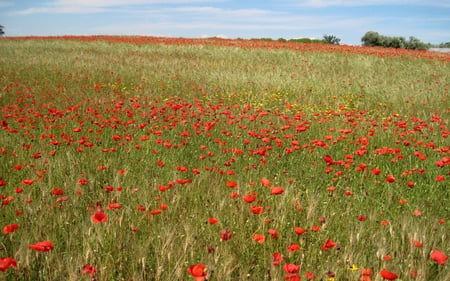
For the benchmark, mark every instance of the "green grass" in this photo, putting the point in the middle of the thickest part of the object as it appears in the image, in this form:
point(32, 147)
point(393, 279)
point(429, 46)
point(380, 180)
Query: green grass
point(233, 114)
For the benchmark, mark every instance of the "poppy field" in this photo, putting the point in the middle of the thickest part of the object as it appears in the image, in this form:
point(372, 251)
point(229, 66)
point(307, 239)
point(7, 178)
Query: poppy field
point(142, 158)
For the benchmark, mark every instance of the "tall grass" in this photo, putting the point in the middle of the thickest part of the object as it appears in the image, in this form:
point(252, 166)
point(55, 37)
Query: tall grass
point(178, 134)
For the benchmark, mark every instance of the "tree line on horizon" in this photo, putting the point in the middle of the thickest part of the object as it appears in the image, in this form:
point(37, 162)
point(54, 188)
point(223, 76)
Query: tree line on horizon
point(371, 39)
point(374, 39)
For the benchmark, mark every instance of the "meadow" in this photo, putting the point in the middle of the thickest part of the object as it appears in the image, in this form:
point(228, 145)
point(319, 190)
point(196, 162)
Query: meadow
point(140, 158)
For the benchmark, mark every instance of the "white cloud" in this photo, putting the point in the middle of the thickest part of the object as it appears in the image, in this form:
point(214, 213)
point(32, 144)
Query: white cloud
point(97, 6)
point(198, 21)
point(60, 10)
point(353, 3)
point(112, 3)
point(6, 4)
point(217, 14)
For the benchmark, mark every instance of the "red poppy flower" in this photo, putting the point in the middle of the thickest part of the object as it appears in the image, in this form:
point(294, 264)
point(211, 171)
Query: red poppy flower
point(27, 182)
point(89, 269)
point(273, 233)
point(387, 275)
point(390, 178)
point(62, 199)
point(213, 220)
point(439, 257)
point(328, 245)
point(275, 190)
point(198, 271)
point(291, 268)
point(259, 238)
point(348, 193)
point(184, 181)
point(57, 191)
point(310, 276)
point(99, 217)
point(265, 182)
point(249, 198)
point(366, 271)
point(10, 228)
point(277, 258)
point(256, 209)
point(18, 167)
point(114, 206)
point(315, 228)
point(232, 184)
point(292, 277)
point(328, 160)
point(410, 183)
point(362, 167)
point(82, 182)
point(234, 195)
point(299, 230)
point(376, 171)
point(6, 263)
point(141, 208)
point(155, 212)
point(43, 246)
point(293, 247)
point(362, 218)
point(225, 235)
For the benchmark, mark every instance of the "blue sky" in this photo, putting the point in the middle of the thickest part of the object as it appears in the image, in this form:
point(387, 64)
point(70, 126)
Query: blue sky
point(349, 20)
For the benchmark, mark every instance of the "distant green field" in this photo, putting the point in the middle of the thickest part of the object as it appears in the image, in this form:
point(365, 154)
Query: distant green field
point(222, 160)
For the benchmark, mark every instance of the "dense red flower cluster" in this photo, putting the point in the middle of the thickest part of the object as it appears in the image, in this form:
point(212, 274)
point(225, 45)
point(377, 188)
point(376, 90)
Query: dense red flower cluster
point(253, 44)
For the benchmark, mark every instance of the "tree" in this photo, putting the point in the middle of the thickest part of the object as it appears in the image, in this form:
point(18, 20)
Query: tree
point(394, 42)
point(331, 39)
point(1, 30)
point(416, 44)
point(371, 39)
